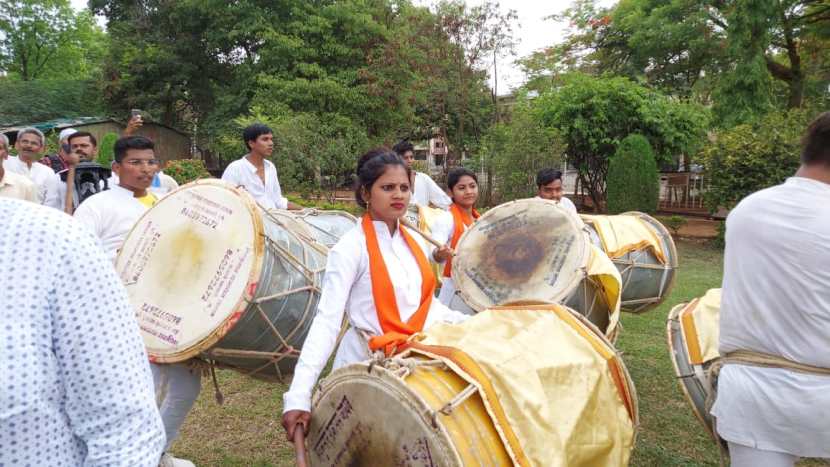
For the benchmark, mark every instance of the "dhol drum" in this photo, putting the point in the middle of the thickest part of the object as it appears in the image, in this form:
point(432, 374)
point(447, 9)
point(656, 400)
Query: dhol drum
point(212, 275)
point(535, 251)
point(444, 401)
point(692, 332)
point(327, 226)
point(643, 251)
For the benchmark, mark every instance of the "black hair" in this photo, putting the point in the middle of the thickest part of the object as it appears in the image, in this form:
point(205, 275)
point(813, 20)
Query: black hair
point(254, 131)
point(81, 134)
point(370, 167)
point(130, 142)
point(815, 145)
point(546, 176)
point(455, 175)
point(402, 147)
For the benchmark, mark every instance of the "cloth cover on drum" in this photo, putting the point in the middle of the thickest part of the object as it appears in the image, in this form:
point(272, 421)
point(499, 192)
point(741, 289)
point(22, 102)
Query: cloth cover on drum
point(700, 322)
point(624, 234)
point(558, 389)
point(601, 271)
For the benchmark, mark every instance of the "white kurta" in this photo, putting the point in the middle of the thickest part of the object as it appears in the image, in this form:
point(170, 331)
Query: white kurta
point(37, 173)
point(776, 300)
point(17, 186)
point(426, 191)
point(110, 215)
point(242, 173)
point(442, 231)
point(565, 202)
point(347, 287)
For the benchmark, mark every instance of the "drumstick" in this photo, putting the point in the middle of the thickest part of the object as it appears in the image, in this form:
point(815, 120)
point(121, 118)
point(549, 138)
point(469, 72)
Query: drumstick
point(70, 190)
point(426, 236)
point(299, 445)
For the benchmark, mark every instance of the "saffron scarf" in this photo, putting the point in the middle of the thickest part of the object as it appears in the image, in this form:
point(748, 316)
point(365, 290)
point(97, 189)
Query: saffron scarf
point(460, 220)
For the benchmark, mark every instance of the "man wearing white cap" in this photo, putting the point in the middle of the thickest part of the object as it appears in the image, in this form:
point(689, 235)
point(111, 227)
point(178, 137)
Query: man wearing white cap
point(58, 162)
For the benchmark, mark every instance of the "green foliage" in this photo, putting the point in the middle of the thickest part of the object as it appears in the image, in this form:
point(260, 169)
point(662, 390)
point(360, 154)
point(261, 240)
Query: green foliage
point(47, 39)
point(633, 182)
point(751, 157)
point(593, 115)
point(106, 149)
point(720, 239)
point(37, 101)
point(511, 153)
point(674, 223)
point(325, 205)
point(186, 170)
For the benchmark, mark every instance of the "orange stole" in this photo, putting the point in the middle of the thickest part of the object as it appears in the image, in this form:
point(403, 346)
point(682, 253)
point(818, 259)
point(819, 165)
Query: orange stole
point(395, 331)
point(460, 220)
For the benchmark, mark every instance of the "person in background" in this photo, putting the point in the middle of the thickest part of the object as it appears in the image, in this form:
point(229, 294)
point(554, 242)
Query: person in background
point(83, 147)
point(549, 185)
point(29, 145)
point(110, 215)
point(75, 384)
point(776, 305)
point(463, 186)
point(425, 191)
point(13, 185)
point(378, 274)
point(162, 183)
point(57, 161)
point(255, 173)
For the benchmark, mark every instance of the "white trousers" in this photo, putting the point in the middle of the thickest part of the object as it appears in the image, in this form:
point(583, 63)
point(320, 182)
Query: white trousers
point(177, 388)
point(745, 456)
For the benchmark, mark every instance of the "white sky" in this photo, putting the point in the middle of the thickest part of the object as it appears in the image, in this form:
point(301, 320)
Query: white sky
point(533, 32)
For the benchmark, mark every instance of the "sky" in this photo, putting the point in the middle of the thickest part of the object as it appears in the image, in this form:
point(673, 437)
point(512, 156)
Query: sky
point(533, 32)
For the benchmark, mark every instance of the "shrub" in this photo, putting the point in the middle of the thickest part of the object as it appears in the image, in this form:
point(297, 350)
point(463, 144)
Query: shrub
point(106, 149)
point(674, 223)
point(186, 170)
point(633, 182)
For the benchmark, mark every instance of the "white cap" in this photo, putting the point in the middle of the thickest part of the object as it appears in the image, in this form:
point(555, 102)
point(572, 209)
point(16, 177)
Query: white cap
point(66, 133)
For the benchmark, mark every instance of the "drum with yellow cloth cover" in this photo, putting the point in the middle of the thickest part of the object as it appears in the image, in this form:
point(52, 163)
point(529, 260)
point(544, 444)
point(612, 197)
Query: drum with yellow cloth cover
point(643, 252)
point(555, 394)
point(533, 250)
point(210, 274)
point(692, 331)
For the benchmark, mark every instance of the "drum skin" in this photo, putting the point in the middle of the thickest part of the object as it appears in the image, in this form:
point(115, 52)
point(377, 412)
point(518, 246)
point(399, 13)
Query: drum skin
point(327, 226)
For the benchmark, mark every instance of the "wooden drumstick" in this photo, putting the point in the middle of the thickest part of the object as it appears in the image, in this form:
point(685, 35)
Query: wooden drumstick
point(426, 236)
point(70, 190)
point(299, 445)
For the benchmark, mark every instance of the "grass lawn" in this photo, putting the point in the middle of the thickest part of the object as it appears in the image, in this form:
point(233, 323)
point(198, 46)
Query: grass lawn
point(246, 430)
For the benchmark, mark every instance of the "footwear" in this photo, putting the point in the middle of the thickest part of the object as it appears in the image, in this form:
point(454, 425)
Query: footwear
point(167, 460)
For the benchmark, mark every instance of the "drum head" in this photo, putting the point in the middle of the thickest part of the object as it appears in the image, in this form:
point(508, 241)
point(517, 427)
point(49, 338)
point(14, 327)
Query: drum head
point(328, 226)
point(530, 250)
point(190, 265)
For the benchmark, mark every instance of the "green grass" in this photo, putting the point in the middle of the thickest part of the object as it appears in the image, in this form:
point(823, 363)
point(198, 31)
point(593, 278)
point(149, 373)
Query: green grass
point(246, 430)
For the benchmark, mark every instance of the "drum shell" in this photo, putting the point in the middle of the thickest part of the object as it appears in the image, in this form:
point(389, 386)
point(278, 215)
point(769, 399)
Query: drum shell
point(327, 227)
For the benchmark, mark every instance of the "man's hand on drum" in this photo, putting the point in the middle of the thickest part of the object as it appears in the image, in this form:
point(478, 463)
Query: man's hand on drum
point(292, 418)
point(442, 254)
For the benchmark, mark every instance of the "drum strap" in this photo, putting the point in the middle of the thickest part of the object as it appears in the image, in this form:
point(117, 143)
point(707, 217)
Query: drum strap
point(750, 358)
point(395, 331)
point(461, 220)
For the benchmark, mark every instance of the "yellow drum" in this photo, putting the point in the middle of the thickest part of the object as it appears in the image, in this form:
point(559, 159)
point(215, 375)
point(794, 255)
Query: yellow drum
point(553, 393)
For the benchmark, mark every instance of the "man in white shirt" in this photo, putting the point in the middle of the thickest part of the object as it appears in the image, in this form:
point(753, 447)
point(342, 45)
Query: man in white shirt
point(83, 148)
point(13, 185)
point(549, 185)
point(29, 145)
point(255, 173)
point(75, 386)
point(776, 301)
point(425, 191)
point(111, 215)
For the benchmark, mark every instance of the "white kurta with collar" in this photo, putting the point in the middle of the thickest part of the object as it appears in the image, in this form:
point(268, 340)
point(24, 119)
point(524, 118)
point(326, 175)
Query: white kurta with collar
point(442, 231)
point(110, 215)
point(242, 173)
point(426, 191)
point(347, 287)
point(776, 300)
point(17, 186)
point(37, 173)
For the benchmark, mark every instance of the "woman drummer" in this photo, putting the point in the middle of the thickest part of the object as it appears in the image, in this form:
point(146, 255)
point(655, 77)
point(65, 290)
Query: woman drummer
point(378, 273)
point(463, 185)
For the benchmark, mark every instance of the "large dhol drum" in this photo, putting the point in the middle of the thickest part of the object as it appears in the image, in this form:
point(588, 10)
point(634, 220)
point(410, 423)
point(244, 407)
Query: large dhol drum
point(534, 251)
point(643, 251)
point(327, 226)
point(212, 275)
point(565, 398)
point(692, 332)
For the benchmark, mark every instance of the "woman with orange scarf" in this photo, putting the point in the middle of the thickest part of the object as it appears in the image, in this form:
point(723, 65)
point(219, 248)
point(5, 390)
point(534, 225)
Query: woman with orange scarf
point(463, 185)
point(379, 275)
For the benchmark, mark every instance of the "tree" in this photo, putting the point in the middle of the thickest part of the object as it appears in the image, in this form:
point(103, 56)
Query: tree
point(40, 100)
point(47, 39)
point(633, 180)
point(593, 115)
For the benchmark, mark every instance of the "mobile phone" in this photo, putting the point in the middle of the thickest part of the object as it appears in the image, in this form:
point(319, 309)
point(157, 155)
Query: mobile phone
point(135, 113)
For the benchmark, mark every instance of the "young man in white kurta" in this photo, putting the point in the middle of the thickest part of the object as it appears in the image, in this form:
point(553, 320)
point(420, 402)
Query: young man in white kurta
point(776, 300)
point(425, 191)
point(348, 286)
